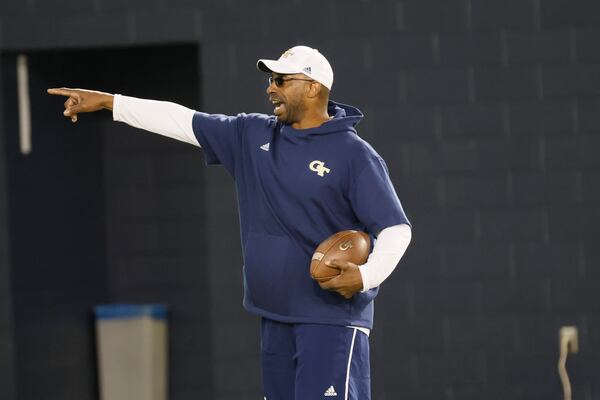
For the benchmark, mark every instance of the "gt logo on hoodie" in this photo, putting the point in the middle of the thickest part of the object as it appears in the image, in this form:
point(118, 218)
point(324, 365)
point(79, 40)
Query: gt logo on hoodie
point(319, 167)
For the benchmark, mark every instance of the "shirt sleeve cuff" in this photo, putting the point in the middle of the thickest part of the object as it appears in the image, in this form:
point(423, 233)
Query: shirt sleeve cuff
point(365, 277)
point(117, 107)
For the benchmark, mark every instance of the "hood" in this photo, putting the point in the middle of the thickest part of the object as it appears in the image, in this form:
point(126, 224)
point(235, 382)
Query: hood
point(345, 118)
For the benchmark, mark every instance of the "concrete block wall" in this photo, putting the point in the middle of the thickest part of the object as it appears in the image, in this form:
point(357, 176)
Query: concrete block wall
point(7, 383)
point(486, 113)
point(156, 251)
point(55, 236)
point(155, 213)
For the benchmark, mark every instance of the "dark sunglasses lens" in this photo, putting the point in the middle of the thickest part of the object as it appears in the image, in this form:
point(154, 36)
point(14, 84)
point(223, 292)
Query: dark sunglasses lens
point(279, 81)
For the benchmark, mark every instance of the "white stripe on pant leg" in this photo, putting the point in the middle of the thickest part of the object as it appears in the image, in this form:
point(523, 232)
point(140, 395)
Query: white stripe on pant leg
point(349, 362)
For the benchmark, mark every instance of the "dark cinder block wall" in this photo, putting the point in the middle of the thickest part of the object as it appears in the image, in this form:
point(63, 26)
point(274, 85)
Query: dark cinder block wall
point(486, 112)
point(6, 332)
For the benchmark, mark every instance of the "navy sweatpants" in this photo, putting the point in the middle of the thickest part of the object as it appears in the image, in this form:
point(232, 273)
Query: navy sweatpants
point(309, 361)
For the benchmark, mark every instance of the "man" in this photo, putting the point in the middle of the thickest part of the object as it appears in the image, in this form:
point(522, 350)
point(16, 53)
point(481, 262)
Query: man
point(301, 175)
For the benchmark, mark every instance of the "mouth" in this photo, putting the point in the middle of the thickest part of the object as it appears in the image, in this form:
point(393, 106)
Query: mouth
point(279, 106)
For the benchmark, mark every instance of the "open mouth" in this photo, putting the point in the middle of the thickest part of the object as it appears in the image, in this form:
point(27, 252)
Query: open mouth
point(279, 106)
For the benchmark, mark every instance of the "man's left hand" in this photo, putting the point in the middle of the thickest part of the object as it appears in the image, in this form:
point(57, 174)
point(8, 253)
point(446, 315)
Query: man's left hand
point(348, 282)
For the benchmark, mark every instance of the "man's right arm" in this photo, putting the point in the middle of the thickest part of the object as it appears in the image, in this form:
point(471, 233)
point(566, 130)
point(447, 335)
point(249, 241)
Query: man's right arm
point(165, 118)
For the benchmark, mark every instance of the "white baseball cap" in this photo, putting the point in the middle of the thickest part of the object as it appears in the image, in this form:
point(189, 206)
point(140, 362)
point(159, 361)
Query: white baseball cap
point(301, 60)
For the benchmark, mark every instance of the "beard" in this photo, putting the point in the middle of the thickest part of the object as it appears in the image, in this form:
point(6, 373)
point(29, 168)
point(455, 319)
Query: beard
point(294, 111)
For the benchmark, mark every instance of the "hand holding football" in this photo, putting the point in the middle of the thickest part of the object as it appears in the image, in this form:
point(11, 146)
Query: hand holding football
point(352, 246)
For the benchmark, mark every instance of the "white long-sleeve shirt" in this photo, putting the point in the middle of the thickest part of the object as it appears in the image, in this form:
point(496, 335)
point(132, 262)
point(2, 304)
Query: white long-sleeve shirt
point(175, 121)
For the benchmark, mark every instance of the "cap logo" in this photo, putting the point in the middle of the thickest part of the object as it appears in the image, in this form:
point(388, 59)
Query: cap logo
point(307, 70)
point(287, 53)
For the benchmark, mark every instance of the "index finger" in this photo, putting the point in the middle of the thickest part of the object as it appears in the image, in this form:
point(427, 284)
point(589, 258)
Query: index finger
point(329, 284)
point(61, 91)
point(340, 265)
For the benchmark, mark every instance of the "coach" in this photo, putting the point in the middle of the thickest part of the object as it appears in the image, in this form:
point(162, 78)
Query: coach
point(301, 175)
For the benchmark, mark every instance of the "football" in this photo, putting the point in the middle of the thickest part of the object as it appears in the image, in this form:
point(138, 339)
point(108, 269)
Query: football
point(353, 246)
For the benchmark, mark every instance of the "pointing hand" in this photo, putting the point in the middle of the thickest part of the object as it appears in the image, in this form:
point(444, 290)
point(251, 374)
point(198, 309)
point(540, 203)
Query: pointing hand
point(80, 100)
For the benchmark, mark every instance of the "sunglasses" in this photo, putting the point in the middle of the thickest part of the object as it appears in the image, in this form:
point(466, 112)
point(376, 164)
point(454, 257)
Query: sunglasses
point(280, 81)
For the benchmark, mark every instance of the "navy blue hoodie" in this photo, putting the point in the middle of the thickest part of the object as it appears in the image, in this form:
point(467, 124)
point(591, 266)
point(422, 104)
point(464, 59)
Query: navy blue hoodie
point(295, 188)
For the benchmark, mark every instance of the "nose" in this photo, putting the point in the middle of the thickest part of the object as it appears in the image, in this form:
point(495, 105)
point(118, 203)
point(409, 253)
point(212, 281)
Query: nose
point(271, 88)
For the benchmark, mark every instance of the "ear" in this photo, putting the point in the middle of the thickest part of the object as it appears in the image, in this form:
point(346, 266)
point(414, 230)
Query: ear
point(313, 89)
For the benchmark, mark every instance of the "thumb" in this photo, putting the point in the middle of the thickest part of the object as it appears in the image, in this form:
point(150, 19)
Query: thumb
point(72, 111)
